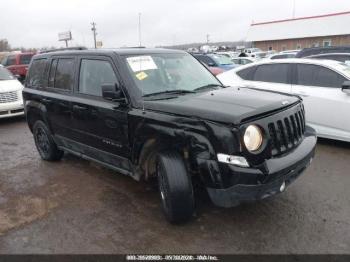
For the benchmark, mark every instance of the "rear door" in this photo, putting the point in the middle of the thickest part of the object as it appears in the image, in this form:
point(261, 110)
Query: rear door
point(61, 81)
point(275, 77)
point(101, 126)
point(326, 105)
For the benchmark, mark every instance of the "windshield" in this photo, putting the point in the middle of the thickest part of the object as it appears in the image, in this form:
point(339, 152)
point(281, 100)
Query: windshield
point(164, 73)
point(222, 59)
point(5, 74)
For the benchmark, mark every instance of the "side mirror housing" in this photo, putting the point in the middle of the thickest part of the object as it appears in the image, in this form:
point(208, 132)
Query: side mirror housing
point(112, 92)
point(346, 87)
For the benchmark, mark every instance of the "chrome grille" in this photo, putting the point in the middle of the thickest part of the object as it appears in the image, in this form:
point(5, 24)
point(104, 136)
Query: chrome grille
point(8, 97)
point(286, 133)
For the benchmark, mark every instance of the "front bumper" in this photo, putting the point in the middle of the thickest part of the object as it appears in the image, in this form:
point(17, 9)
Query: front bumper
point(280, 170)
point(11, 109)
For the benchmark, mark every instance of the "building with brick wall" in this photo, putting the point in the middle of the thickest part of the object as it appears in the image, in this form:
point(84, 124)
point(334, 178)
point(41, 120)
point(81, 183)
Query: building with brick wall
point(298, 33)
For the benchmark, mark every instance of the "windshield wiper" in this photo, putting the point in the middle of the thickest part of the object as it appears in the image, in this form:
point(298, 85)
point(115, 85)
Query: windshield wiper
point(178, 91)
point(210, 86)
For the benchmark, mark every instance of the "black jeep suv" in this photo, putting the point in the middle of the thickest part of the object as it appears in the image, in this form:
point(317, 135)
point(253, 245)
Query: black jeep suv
point(160, 113)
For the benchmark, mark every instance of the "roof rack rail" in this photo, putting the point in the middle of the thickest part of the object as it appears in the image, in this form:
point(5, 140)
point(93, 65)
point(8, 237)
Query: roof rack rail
point(63, 49)
point(126, 47)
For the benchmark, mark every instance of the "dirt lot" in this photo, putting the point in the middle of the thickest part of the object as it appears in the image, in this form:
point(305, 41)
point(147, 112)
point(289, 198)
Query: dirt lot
point(75, 206)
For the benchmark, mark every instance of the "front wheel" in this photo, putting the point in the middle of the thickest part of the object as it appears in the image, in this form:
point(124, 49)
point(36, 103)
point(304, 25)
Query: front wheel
point(175, 187)
point(44, 142)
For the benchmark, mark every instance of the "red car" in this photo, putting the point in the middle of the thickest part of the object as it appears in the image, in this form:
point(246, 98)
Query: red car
point(18, 63)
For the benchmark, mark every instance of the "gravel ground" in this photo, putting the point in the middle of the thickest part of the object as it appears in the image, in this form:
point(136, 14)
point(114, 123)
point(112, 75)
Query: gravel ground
point(75, 206)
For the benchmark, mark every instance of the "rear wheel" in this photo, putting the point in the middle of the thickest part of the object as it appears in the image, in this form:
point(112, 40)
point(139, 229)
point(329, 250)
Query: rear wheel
point(44, 142)
point(175, 187)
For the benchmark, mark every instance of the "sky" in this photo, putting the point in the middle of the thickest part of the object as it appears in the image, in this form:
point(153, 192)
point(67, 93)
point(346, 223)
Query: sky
point(36, 23)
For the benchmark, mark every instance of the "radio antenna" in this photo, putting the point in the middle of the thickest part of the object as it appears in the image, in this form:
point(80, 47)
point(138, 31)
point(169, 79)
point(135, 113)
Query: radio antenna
point(143, 100)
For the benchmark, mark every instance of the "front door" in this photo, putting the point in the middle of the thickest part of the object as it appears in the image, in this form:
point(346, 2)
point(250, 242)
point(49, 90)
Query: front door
point(101, 126)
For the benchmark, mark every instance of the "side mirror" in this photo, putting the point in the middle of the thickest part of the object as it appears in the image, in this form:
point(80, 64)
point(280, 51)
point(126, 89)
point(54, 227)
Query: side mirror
point(346, 87)
point(111, 92)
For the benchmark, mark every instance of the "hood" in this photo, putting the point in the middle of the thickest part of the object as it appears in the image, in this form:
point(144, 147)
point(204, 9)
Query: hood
point(10, 85)
point(228, 105)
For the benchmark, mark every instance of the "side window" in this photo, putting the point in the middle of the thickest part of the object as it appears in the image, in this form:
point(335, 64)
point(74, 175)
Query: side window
point(64, 77)
point(36, 76)
point(11, 60)
point(206, 60)
point(328, 78)
point(273, 73)
point(94, 74)
point(4, 61)
point(25, 59)
point(247, 73)
point(312, 75)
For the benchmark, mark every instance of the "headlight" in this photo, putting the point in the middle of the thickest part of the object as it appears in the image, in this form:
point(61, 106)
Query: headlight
point(253, 138)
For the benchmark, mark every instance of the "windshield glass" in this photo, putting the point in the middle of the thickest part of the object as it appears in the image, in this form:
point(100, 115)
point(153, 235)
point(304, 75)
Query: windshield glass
point(5, 74)
point(222, 60)
point(161, 73)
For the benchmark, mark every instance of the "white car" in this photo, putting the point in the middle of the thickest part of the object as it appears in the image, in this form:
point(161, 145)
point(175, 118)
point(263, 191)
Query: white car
point(323, 84)
point(11, 101)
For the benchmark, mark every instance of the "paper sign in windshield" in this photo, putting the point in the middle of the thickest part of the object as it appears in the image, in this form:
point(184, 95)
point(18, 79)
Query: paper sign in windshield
point(141, 63)
point(142, 75)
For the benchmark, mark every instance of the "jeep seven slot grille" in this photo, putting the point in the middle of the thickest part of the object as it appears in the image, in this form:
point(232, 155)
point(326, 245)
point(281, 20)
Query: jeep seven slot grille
point(8, 97)
point(286, 133)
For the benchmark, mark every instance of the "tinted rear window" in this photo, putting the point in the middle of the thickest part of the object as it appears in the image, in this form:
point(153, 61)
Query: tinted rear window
point(25, 59)
point(274, 73)
point(36, 73)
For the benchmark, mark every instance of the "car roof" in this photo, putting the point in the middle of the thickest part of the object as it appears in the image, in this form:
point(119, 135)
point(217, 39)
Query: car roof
point(328, 54)
point(119, 51)
point(323, 62)
point(322, 50)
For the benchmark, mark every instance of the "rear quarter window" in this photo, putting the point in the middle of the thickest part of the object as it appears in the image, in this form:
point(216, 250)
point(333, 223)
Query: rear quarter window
point(247, 73)
point(36, 76)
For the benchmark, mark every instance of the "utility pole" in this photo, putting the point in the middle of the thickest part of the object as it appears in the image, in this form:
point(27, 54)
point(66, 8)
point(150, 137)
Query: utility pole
point(140, 44)
point(208, 38)
point(93, 29)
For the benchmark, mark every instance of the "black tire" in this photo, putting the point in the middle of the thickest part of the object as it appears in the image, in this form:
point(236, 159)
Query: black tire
point(175, 187)
point(44, 142)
